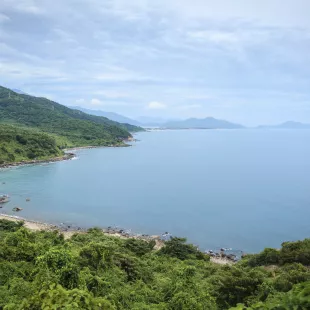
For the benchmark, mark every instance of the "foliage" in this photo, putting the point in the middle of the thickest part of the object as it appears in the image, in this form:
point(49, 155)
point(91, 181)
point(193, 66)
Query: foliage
point(177, 247)
point(42, 270)
point(19, 144)
point(291, 252)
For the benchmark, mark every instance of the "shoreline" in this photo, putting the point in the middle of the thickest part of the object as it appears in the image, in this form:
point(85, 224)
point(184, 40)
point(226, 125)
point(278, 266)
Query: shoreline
point(66, 156)
point(69, 231)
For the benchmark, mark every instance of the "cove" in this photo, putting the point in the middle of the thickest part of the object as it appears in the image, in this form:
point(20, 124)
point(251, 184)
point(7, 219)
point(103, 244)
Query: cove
point(241, 189)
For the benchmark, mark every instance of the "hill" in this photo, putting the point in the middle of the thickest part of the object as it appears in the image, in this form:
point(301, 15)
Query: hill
point(205, 123)
point(92, 270)
point(24, 144)
point(288, 125)
point(110, 115)
point(78, 128)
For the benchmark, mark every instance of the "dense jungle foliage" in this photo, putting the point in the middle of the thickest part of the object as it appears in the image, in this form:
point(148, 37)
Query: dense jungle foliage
point(19, 144)
point(42, 270)
point(77, 128)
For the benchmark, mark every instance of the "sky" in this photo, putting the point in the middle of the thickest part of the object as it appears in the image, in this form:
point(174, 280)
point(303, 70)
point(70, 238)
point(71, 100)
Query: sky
point(243, 61)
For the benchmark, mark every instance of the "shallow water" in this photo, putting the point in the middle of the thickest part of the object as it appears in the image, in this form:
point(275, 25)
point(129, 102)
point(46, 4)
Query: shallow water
point(245, 189)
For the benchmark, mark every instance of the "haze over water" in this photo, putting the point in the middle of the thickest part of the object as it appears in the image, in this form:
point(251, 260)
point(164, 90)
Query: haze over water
point(245, 189)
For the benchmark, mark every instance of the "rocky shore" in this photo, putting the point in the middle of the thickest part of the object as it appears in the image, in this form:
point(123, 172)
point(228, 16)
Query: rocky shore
point(66, 156)
point(68, 231)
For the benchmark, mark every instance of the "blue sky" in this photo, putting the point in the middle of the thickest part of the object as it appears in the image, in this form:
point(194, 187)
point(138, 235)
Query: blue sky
point(244, 61)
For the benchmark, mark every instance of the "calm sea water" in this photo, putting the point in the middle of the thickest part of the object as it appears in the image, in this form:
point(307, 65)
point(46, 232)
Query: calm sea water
point(245, 189)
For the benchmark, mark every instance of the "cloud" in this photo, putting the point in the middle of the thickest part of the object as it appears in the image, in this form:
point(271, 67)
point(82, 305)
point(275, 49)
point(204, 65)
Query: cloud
point(112, 94)
point(95, 101)
point(4, 18)
point(180, 53)
point(80, 101)
point(190, 106)
point(155, 105)
point(218, 37)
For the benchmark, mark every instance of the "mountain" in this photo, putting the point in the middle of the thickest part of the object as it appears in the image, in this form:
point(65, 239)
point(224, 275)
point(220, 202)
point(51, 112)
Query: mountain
point(153, 121)
point(75, 127)
point(19, 91)
point(110, 115)
point(288, 125)
point(204, 123)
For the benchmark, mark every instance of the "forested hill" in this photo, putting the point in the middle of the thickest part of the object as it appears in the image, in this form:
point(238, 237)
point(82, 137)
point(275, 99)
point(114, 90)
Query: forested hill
point(77, 127)
point(42, 270)
point(21, 144)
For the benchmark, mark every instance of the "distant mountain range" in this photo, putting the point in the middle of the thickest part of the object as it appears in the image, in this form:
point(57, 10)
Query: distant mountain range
point(110, 115)
point(288, 125)
point(140, 121)
point(190, 123)
point(204, 123)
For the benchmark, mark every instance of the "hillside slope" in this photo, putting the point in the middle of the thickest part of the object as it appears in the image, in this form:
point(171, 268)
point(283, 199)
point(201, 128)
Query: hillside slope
point(77, 127)
point(19, 144)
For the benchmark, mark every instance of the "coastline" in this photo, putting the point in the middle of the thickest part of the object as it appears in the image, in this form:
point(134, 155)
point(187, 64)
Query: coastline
point(69, 231)
point(66, 156)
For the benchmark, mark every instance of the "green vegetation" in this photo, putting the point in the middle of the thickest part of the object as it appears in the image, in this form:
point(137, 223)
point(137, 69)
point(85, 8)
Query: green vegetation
point(19, 144)
point(42, 270)
point(71, 127)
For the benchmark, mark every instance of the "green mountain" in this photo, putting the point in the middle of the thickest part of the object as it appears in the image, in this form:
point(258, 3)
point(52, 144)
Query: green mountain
point(77, 128)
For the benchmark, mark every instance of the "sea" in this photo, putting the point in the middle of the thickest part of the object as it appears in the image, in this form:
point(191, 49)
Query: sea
point(243, 189)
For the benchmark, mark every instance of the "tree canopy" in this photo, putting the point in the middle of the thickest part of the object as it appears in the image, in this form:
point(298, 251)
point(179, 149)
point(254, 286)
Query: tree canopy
point(42, 270)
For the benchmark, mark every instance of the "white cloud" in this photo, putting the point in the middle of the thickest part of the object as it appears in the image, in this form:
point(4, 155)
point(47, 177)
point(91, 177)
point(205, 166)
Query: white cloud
point(4, 18)
point(26, 6)
point(155, 105)
point(190, 106)
point(80, 101)
point(215, 36)
point(112, 94)
point(95, 101)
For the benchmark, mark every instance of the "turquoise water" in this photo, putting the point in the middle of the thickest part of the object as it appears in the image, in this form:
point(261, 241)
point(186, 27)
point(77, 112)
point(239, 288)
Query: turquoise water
point(245, 189)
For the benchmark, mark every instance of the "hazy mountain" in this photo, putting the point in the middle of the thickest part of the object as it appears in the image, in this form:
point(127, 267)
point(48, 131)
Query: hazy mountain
point(110, 115)
point(19, 91)
point(204, 123)
point(154, 121)
point(288, 125)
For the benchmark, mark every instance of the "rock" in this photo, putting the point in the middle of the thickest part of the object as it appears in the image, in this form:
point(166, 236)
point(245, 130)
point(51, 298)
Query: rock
point(17, 209)
point(27, 199)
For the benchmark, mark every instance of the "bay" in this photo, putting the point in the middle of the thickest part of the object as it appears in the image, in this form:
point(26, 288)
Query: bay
point(241, 189)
